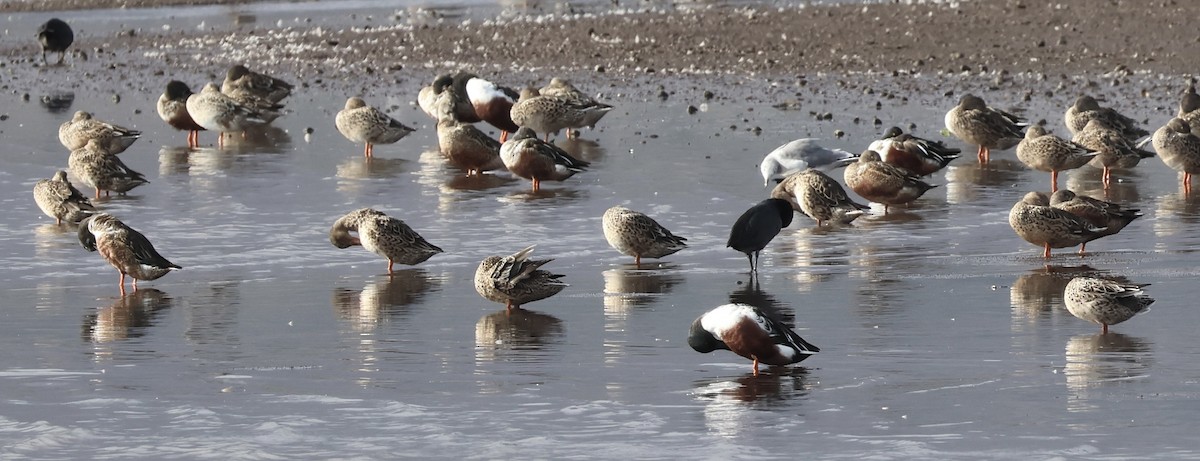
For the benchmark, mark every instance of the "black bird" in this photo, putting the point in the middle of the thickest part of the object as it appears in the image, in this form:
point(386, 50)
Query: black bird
point(55, 35)
point(757, 226)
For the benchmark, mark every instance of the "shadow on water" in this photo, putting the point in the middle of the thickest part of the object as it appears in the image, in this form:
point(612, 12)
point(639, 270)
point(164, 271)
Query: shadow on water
point(127, 317)
point(517, 336)
point(1096, 361)
point(628, 287)
point(751, 292)
point(383, 298)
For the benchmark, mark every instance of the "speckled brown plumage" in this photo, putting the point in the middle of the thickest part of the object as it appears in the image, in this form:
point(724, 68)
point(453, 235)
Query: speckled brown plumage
point(1179, 148)
point(635, 234)
point(1105, 302)
point(58, 199)
point(1046, 152)
point(549, 114)
point(1035, 221)
point(1113, 150)
point(126, 249)
point(241, 82)
point(383, 235)
point(531, 158)
point(515, 279)
point(1110, 216)
point(819, 196)
point(102, 171)
point(1086, 108)
point(975, 123)
point(83, 127)
point(359, 122)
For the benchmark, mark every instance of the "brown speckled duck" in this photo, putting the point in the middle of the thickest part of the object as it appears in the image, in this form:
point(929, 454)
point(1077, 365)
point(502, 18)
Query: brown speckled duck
point(1045, 152)
point(126, 249)
point(1114, 150)
point(515, 279)
point(884, 183)
point(1105, 302)
point(241, 81)
point(83, 127)
point(359, 122)
point(1110, 216)
point(1086, 108)
point(819, 196)
point(1035, 221)
point(1179, 148)
point(103, 171)
point(549, 114)
point(635, 234)
point(58, 199)
point(383, 235)
point(974, 122)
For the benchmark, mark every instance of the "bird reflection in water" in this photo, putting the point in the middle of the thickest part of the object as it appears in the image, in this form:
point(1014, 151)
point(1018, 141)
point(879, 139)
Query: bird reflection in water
point(1090, 182)
point(383, 298)
point(545, 196)
point(57, 102)
point(517, 336)
point(258, 139)
point(815, 251)
point(963, 180)
point(751, 293)
point(583, 149)
point(732, 406)
point(173, 160)
point(1037, 295)
point(1177, 215)
point(357, 167)
point(1098, 361)
point(127, 317)
point(627, 286)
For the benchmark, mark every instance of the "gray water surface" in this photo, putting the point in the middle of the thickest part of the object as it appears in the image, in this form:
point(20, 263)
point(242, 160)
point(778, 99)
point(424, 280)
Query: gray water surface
point(943, 335)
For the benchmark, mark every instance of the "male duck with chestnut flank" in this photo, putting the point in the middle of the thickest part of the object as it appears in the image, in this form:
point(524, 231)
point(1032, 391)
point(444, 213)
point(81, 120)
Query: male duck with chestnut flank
point(819, 197)
point(1105, 302)
point(515, 279)
point(359, 122)
point(635, 234)
point(531, 158)
point(747, 331)
point(172, 108)
point(919, 155)
point(974, 122)
point(126, 249)
point(383, 235)
point(882, 182)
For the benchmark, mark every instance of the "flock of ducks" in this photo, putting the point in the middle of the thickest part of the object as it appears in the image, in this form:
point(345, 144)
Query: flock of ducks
point(889, 172)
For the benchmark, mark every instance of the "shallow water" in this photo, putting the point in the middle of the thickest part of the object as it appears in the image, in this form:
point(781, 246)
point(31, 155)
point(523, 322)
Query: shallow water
point(943, 335)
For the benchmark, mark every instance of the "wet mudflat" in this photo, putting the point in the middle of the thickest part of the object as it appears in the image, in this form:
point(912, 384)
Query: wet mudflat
point(943, 335)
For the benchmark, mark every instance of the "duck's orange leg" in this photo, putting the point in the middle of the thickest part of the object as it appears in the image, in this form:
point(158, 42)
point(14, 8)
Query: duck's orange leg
point(755, 366)
point(536, 184)
point(1053, 181)
point(1046, 252)
point(389, 267)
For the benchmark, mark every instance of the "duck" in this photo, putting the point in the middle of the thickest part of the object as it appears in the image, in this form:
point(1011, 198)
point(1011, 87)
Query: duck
point(1110, 216)
point(757, 226)
point(383, 235)
point(429, 94)
point(550, 114)
point(1046, 152)
point(1189, 107)
point(102, 171)
point(1114, 150)
point(515, 279)
point(921, 156)
point(359, 122)
point(55, 36)
point(746, 331)
point(241, 81)
point(126, 249)
point(531, 158)
point(1179, 148)
point(562, 88)
point(635, 234)
point(882, 182)
point(799, 155)
point(449, 90)
point(1105, 302)
point(974, 122)
point(82, 126)
point(1035, 221)
point(464, 146)
point(172, 108)
point(493, 104)
point(218, 112)
point(819, 196)
point(1087, 108)
point(58, 199)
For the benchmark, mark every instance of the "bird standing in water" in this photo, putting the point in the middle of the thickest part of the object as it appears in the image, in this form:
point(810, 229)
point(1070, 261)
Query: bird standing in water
point(756, 227)
point(55, 36)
